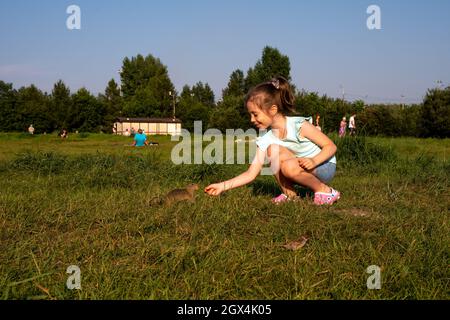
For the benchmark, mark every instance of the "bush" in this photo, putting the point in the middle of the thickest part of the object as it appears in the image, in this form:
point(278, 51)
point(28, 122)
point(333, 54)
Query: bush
point(356, 150)
point(435, 114)
point(42, 162)
point(83, 135)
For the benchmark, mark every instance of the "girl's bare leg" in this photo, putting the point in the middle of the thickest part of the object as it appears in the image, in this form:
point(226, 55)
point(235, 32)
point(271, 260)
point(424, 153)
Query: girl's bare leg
point(276, 159)
point(286, 185)
point(287, 172)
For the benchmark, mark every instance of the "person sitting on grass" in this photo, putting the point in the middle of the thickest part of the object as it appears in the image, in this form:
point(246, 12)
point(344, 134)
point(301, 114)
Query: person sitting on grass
point(140, 139)
point(63, 134)
point(299, 153)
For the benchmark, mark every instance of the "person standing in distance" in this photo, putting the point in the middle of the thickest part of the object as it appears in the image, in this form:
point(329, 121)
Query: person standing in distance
point(352, 124)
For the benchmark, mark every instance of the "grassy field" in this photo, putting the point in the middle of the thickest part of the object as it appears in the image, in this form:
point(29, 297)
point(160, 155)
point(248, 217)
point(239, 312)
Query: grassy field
point(86, 202)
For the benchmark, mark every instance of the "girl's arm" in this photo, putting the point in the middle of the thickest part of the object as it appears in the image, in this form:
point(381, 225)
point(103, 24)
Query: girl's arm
point(248, 176)
point(319, 138)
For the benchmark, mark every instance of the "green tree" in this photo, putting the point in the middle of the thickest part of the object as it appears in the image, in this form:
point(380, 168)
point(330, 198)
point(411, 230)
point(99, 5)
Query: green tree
point(87, 113)
point(271, 64)
point(435, 114)
point(358, 105)
point(187, 94)
point(236, 85)
point(60, 102)
point(142, 104)
point(230, 114)
point(196, 112)
point(195, 104)
point(145, 87)
point(409, 120)
point(203, 94)
point(8, 114)
point(112, 102)
point(33, 107)
point(308, 103)
point(377, 120)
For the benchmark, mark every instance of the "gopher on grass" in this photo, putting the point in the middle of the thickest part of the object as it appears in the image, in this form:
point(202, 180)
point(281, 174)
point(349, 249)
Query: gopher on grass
point(177, 195)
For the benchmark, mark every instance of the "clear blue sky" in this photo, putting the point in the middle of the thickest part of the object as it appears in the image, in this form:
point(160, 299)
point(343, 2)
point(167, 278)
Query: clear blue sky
point(327, 41)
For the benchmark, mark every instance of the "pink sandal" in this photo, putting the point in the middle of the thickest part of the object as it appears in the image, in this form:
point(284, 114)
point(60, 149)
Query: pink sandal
point(280, 199)
point(321, 198)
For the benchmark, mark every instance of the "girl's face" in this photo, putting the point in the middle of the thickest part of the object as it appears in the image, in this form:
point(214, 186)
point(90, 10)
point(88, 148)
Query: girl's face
point(259, 118)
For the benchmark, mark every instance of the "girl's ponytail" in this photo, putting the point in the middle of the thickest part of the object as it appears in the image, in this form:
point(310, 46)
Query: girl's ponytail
point(286, 96)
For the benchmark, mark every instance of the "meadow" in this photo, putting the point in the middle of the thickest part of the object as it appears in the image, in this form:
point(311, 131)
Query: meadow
point(85, 201)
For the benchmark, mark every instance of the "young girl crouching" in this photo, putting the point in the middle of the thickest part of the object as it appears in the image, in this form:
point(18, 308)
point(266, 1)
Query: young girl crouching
point(299, 153)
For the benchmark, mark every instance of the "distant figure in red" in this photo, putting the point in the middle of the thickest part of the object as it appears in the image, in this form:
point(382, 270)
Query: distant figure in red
point(318, 123)
point(342, 127)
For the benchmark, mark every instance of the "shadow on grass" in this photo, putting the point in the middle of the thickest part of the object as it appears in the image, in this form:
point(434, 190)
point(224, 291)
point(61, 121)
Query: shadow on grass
point(270, 188)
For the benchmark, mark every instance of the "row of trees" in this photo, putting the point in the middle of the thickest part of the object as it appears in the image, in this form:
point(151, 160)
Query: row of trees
point(29, 105)
point(147, 91)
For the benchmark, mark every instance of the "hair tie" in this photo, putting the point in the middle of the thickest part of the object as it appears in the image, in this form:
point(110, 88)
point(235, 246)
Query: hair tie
point(276, 83)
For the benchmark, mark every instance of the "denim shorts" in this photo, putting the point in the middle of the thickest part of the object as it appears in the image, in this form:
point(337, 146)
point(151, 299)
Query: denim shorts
point(325, 172)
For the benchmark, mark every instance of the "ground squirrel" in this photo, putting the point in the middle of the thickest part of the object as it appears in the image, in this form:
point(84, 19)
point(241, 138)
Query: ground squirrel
point(177, 195)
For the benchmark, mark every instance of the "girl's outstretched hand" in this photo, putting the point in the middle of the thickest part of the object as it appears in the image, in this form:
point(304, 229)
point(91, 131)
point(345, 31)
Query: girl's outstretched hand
point(306, 163)
point(215, 189)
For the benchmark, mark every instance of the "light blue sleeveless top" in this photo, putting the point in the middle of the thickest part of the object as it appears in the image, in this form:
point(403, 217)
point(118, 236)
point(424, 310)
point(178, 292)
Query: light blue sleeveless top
point(301, 147)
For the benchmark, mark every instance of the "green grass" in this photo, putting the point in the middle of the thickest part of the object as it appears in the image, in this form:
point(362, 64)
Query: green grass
point(85, 202)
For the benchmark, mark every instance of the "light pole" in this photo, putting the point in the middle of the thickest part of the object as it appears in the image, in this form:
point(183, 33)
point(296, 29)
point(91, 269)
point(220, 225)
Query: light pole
point(172, 94)
point(343, 92)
